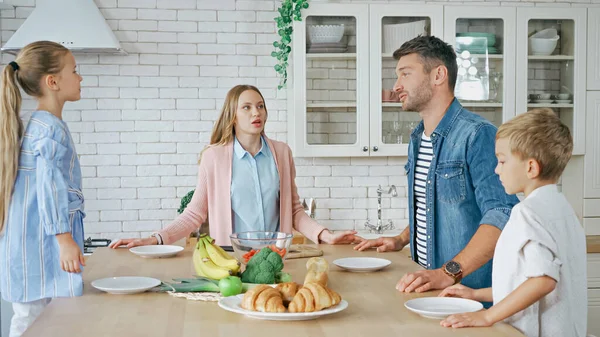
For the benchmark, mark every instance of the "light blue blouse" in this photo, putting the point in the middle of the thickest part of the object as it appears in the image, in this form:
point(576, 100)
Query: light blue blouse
point(254, 190)
point(47, 200)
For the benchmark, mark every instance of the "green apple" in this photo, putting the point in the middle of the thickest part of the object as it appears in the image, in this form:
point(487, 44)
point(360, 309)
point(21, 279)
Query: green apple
point(230, 286)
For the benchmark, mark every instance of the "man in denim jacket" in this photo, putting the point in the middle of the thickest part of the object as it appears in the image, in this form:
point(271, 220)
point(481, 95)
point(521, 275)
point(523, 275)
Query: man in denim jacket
point(462, 207)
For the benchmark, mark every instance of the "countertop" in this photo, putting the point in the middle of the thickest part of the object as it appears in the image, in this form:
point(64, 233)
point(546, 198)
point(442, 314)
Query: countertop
point(375, 307)
point(593, 243)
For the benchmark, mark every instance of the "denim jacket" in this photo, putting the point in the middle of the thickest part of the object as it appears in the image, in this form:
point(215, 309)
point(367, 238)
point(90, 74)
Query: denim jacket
point(463, 191)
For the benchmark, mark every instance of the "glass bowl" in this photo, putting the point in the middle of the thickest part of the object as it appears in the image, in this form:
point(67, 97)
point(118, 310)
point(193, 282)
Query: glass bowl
point(245, 242)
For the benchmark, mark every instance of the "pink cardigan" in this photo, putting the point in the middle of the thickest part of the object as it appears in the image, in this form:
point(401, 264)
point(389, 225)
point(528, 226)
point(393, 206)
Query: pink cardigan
point(213, 197)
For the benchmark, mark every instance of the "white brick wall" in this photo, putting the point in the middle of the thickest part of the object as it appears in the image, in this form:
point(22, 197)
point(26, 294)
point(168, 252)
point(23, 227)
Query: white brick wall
point(145, 117)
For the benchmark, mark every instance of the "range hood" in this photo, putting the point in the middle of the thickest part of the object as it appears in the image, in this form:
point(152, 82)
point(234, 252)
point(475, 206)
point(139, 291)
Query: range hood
point(76, 24)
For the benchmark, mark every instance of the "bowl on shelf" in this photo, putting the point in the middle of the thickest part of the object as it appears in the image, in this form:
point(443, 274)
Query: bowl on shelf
point(325, 33)
point(543, 42)
point(245, 242)
point(563, 96)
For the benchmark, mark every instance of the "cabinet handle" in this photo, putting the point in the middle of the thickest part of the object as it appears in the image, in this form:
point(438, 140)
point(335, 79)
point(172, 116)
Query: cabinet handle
point(365, 149)
point(375, 148)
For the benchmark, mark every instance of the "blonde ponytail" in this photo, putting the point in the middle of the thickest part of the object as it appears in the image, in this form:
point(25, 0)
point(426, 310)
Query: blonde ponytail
point(11, 131)
point(33, 62)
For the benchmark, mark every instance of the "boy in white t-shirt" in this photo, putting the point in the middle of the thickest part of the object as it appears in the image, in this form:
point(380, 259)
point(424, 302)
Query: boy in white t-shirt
point(539, 269)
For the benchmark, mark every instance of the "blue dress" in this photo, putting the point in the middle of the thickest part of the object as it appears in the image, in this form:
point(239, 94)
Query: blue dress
point(47, 200)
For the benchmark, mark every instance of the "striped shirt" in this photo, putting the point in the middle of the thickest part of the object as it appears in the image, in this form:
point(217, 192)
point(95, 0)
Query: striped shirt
point(421, 171)
point(47, 200)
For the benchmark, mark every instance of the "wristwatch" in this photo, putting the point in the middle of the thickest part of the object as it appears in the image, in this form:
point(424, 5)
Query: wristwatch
point(454, 270)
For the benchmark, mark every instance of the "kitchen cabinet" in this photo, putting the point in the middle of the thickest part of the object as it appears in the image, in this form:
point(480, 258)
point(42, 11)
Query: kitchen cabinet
point(341, 98)
point(592, 157)
point(563, 71)
point(499, 63)
point(593, 270)
point(341, 103)
point(593, 56)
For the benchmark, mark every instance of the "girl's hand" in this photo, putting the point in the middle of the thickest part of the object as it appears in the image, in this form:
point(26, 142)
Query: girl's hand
point(71, 258)
point(458, 290)
point(478, 318)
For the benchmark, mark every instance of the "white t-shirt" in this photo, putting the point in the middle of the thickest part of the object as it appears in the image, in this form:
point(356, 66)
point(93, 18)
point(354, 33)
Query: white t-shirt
point(544, 237)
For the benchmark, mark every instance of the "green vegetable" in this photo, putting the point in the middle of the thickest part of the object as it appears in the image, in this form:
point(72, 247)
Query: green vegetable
point(283, 277)
point(263, 267)
point(228, 286)
point(185, 201)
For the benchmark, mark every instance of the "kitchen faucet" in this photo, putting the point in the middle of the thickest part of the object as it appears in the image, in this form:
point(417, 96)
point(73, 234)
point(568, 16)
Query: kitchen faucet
point(380, 227)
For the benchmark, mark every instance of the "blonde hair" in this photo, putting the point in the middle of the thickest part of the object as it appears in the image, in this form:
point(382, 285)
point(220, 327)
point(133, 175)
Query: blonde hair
point(32, 63)
point(539, 134)
point(223, 132)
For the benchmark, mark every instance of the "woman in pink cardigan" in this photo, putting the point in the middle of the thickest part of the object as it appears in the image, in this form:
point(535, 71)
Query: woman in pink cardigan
point(245, 182)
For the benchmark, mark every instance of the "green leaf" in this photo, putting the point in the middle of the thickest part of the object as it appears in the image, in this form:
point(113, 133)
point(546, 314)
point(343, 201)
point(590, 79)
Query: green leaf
point(275, 44)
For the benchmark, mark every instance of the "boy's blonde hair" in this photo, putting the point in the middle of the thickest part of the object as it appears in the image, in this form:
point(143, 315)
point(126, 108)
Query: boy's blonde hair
point(539, 134)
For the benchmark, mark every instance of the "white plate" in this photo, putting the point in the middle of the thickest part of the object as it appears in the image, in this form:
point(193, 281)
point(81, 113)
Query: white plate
point(362, 264)
point(543, 101)
point(156, 251)
point(125, 284)
point(232, 303)
point(441, 307)
point(563, 101)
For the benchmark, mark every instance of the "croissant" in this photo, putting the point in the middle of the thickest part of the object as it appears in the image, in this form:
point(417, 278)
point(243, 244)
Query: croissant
point(288, 290)
point(317, 268)
point(263, 298)
point(313, 297)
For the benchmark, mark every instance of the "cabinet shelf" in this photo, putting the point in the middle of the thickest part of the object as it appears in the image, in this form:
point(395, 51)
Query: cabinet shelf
point(338, 104)
point(551, 57)
point(490, 56)
point(330, 56)
point(466, 104)
point(549, 105)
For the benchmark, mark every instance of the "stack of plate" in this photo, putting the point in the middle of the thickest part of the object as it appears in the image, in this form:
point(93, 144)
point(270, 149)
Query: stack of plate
point(476, 43)
point(338, 47)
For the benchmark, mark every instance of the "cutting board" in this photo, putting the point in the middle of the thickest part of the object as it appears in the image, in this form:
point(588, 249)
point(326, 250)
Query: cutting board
point(300, 251)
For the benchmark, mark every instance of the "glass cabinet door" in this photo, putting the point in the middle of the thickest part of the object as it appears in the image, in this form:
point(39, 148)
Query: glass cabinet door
point(391, 26)
point(551, 53)
point(484, 42)
point(330, 72)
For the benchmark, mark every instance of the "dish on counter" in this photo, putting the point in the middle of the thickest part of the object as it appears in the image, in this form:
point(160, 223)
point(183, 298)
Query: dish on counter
point(123, 285)
point(156, 251)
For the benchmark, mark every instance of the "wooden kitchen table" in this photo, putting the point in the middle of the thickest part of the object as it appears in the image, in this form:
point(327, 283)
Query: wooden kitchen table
point(375, 308)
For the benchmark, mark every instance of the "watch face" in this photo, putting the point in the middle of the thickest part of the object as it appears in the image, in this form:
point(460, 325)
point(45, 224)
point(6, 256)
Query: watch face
point(453, 267)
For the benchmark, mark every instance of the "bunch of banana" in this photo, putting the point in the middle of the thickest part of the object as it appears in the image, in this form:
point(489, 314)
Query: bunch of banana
point(212, 261)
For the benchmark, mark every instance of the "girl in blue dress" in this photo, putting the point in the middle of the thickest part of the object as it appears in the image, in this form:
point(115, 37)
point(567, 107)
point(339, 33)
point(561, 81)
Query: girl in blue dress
point(41, 203)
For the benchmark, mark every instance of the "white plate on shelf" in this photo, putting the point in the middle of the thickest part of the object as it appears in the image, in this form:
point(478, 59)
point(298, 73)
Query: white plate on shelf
point(362, 264)
point(441, 307)
point(564, 101)
point(543, 101)
point(156, 251)
point(125, 284)
point(233, 304)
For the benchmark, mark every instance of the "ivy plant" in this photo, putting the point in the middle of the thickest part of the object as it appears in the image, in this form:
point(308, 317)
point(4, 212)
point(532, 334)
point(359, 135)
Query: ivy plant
point(288, 12)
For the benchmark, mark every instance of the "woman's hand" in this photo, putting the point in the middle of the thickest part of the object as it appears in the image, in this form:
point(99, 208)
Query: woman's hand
point(133, 242)
point(71, 257)
point(343, 237)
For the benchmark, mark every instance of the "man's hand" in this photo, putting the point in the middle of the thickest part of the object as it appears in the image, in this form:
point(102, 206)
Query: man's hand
point(383, 244)
point(424, 280)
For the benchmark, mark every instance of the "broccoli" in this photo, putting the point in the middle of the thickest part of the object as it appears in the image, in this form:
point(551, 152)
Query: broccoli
point(185, 201)
point(263, 268)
